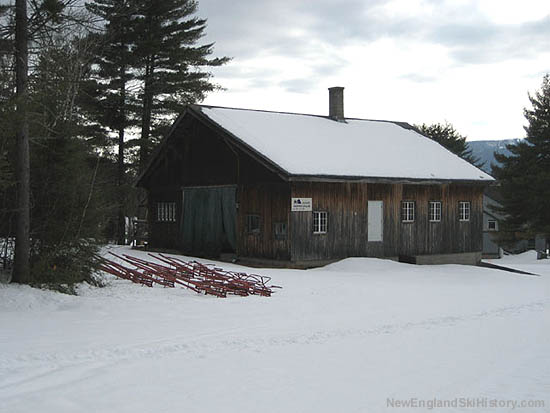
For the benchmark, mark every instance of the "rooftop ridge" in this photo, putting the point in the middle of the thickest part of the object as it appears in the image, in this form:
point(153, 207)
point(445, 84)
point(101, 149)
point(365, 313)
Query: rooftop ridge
point(405, 125)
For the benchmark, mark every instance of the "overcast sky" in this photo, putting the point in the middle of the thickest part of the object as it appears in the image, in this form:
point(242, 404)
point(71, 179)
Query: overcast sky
point(470, 62)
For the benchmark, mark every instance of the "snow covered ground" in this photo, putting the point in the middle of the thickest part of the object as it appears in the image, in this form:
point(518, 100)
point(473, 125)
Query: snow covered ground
point(355, 336)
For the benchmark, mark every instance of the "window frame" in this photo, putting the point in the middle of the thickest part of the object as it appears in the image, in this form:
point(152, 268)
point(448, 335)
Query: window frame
point(466, 216)
point(438, 213)
point(406, 210)
point(489, 222)
point(279, 235)
point(166, 211)
point(249, 220)
point(318, 223)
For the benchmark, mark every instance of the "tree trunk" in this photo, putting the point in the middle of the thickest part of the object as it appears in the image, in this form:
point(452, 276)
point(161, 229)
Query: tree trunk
point(147, 108)
point(147, 100)
point(121, 233)
point(22, 242)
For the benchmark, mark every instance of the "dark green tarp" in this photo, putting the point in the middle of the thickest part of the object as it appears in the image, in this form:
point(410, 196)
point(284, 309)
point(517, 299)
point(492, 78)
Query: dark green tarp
point(208, 221)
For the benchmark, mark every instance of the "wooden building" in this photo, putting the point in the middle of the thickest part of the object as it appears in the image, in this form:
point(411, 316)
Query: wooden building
point(302, 190)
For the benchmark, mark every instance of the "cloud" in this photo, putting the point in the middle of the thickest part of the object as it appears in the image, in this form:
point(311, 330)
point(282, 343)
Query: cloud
point(299, 29)
point(418, 78)
point(299, 85)
point(486, 42)
point(409, 59)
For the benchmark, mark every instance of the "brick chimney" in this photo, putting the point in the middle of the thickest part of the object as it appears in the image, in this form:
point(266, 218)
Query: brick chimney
point(336, 103)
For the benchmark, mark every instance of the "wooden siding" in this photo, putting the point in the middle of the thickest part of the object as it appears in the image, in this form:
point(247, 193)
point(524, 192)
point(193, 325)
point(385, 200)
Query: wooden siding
point(197, 156)
point(164, 234)
point(346, 204)
point(272, 203)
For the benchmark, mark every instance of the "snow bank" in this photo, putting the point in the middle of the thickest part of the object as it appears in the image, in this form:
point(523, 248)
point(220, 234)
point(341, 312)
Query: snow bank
point(22, 298)
point(526, 261)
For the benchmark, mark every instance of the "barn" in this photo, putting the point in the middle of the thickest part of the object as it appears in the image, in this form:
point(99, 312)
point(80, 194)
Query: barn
point(300, 190)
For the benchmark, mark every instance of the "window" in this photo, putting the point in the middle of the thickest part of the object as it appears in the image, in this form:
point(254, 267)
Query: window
point(166, 212)
point(253, 224)
point(492, 225)
point(320, 222)
point(407, 211)
point(279, 231)
point(464, 211)
point(435, 211)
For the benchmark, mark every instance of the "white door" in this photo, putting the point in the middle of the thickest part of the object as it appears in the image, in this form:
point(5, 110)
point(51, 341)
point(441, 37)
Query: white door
point(376, 220)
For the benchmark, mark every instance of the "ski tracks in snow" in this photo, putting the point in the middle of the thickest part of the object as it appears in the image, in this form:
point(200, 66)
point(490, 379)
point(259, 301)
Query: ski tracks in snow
point(39, 371)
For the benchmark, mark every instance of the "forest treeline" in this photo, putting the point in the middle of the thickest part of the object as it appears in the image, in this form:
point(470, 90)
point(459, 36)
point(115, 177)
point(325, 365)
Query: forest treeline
point(86, 91)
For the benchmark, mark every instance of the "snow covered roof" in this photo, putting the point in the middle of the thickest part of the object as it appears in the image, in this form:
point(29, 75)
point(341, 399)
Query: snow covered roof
point(316, 145)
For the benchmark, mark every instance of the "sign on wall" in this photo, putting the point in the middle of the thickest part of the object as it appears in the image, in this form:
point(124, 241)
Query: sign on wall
point(301, 204)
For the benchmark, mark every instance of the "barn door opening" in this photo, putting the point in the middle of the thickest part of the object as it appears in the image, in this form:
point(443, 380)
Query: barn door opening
point(209, 221)
point(375, 221)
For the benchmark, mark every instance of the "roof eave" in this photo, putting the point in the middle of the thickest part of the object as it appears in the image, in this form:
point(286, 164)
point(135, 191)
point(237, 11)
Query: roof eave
point(388, 180)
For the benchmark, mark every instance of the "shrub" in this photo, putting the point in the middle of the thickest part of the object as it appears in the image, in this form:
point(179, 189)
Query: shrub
point(61, 266)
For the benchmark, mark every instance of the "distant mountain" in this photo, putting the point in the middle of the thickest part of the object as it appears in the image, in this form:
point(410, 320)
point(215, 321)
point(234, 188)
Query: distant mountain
point(485, 151)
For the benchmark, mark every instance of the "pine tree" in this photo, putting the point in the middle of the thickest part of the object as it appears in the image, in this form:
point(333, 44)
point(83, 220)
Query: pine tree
point(64, 168)
point(172, 68)
point(23, 35)
point(525, 175)
point(447, 136)
point(115, 63)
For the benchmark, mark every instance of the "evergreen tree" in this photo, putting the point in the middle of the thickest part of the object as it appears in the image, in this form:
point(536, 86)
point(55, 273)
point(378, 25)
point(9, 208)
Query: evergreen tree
point(447, 136)
point(56, 171)
point(525, 175)
point(172, 66)
point(23, 26)
point(115, 63)
point(64, 167)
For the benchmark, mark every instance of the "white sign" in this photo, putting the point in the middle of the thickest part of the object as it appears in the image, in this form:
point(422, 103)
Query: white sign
point(302, 204)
